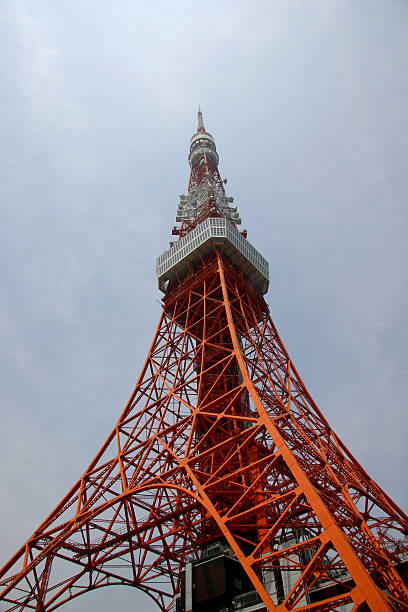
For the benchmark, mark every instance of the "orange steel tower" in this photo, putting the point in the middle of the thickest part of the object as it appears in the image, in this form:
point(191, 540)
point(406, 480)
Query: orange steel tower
point(222, 486)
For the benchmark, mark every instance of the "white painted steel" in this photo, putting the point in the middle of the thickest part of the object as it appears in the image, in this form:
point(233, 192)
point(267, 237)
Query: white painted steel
point(189, 587)
point(213, 232)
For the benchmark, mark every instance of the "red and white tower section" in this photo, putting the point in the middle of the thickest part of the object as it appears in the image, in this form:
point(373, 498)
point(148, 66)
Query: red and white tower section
point(208, 221)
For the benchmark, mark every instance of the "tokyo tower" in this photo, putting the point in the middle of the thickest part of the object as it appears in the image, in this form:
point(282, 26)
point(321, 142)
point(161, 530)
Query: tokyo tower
point(222, 486)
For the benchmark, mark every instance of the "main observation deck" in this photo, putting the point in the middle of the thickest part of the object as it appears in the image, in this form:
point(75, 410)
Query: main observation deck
point(215, 232)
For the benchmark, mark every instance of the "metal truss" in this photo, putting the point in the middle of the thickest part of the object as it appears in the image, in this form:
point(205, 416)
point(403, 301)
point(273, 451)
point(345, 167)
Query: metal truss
point(219, 440)
point(197, 198)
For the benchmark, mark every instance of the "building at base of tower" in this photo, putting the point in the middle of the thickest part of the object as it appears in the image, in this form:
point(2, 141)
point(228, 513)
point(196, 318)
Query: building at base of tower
point(217, 582)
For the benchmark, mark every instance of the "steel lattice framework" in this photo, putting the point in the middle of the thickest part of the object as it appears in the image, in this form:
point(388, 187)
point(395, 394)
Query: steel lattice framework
point(219, 439)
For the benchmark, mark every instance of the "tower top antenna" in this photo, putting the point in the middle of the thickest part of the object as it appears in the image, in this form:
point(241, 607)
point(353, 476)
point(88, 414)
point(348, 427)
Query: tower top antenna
point(200, 124)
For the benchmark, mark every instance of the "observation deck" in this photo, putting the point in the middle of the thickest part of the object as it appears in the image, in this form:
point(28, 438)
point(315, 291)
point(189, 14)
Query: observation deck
point(213, 232)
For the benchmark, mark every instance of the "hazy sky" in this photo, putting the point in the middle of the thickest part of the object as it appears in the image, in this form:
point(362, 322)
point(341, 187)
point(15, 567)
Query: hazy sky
point(307, 100)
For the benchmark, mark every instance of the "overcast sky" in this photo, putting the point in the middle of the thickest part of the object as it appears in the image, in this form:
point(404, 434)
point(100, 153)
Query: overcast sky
point(307, 101)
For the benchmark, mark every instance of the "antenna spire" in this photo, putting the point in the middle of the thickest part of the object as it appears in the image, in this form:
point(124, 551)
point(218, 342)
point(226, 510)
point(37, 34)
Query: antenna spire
point(200, 126)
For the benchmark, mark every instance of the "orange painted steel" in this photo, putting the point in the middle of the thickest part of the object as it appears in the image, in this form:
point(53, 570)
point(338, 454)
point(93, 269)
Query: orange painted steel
point(218, 401)
point(220, 440)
